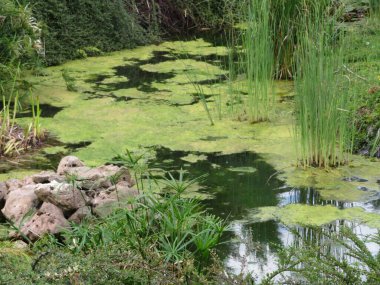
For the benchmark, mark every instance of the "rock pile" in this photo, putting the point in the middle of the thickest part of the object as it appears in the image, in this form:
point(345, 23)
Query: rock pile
point(47, 202)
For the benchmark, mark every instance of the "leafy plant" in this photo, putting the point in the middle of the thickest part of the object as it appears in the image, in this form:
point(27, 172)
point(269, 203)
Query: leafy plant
point(318, 264)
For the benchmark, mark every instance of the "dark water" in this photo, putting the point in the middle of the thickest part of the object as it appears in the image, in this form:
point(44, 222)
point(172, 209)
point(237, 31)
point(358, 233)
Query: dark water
point(251, 247)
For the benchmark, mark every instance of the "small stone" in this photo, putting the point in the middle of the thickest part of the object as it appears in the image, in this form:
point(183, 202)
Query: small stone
point(362, 188)
point(19, 244)
point(67, 163)
point(354, 179)
point(45, 177)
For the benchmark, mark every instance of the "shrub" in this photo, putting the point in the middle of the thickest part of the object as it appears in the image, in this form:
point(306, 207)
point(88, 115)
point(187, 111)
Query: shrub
point(81, 54)
point(73, 25)
point(92, 51)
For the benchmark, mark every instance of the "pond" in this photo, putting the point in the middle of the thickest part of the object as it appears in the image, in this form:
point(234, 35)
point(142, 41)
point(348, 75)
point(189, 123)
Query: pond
point(148, 98)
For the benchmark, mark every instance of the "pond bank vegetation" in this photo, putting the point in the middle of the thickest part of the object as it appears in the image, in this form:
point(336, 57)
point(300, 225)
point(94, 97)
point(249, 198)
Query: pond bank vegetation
point(296, 82)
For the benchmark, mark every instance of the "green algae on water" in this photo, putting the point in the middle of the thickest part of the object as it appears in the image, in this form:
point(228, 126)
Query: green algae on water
point(246, 169)
point(192, 158)
point(170, 115)
point(297, 214)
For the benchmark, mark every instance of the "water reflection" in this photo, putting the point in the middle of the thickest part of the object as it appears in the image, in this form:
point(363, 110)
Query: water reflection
point(251, 248)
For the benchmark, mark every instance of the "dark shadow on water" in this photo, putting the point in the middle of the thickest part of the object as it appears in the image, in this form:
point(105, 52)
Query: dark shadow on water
point(141, 79)
point(238, 182)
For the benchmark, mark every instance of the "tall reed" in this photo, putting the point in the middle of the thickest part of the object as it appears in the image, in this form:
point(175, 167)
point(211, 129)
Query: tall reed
point(258, 51)
point(374, 6)
point(322, 109)
point(286, 24)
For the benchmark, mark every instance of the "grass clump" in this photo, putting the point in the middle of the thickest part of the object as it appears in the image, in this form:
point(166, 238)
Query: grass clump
point(258, 63)
point(322, 105)
point(15, 139)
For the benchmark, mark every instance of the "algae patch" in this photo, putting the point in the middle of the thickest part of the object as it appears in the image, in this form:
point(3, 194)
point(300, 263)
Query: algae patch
point(192, 158)
point(297, 214)
point(246, 169)
point(168, 112)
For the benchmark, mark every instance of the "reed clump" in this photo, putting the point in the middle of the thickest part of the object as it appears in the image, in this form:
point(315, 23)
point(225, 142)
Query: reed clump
point(374, 6)
point(323, 131)
point(258, 63)
point(250, 63)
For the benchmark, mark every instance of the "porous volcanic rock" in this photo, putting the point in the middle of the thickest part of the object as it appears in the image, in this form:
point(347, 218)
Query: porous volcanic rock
point(67, 163)
point(19, 203)
point(40, 203)
point(63, 195)
point(49, 219)
point(114, 197)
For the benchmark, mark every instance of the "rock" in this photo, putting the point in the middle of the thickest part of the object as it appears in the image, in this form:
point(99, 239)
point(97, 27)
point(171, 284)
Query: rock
point(62, 195)
point(362, 188)
point(48, 219)
point(116, 196)
point(19, 244)
point(354, 179)
point(101, 177)
point(46, 177)
point(13, 184)
point(19, 203)
point(3, 191)
point(67, 163)
point(80, 215)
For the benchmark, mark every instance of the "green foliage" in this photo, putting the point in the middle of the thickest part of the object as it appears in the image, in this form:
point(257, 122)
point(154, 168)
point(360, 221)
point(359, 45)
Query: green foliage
point(374, 8)
point(19, 34)
point(258, 60)
point(363, 57)
point(323, 112)
point(287, 25)
point(92, 51)
point(316, 263)
point(155, 240)
point(80, 24)
point(180, 16)
point(80, 54)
